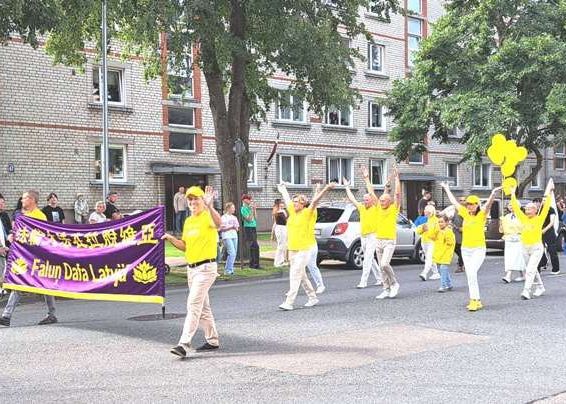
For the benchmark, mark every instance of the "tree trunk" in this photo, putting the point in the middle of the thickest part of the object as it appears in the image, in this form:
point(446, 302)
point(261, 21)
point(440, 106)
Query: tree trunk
point(532, 175)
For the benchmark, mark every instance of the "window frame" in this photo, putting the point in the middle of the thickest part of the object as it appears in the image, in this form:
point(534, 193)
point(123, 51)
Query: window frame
point(560, 156)
point(369, 65)
point(180, 129)
point(124, 149)
point(252, 158)
point(292, 100)
point(489, 175)
point(341, 175)
point(384, 171)
point(538, 179)
point(292, 156)
point(420, 10)
point(331, 110)
point(416, 163)
point(457, 182)
point(419, 37)
point(383, 126)
point(122, 84)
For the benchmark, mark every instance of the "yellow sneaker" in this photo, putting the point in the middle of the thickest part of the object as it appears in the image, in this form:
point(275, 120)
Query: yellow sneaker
point(474, 305)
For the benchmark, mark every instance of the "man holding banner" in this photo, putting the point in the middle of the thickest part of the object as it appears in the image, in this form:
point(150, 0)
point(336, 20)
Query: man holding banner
point(199, 242)
point(30, 200)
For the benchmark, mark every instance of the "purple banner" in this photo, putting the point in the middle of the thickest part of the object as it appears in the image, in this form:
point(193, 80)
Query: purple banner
point(121, 260)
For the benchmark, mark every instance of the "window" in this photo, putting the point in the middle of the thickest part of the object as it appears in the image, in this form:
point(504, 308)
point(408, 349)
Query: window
point(452, 173)
point(376, 57)
point(290, 108)
point(340, 117)
point(252, 169)
point(116, 163)
point(376, 118)
point(181, 124)
point(378, 171)
point(180, 74)
point(482, 176)
point(416, 157)
point(560, 157)
point(346, 42)
point(535, 183)
point(414, 6)
point(338, 168)
point(293, 169)
point(115, 85)
point(414, 37)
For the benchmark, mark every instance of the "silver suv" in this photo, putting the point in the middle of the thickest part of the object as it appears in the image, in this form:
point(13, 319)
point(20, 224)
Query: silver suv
point(338, 235)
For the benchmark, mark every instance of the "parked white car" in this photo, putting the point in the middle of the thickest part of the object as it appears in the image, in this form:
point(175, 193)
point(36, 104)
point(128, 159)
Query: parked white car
point(338, 235)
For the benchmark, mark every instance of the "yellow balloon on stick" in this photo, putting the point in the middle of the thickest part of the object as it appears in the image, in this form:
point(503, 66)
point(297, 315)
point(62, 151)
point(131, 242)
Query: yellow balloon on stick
point(507, 169)
point(496, 155)
point(508, 184)
point(498, 139)
point(521, 153)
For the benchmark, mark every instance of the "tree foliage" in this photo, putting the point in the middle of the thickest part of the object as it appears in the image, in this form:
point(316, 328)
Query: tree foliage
point(489, 66)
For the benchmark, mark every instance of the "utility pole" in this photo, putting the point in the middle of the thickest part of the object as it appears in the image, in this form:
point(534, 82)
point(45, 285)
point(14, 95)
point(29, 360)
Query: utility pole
point(104, 155)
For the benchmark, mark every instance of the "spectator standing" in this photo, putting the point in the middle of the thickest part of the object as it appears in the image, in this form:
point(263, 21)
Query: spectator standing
point(457, 222)
point(180, 205)
point(18, 211)
point(112, 212)
point(98, 215)
point(52, 211)
point(279, 230)
point(426, 198)
point(249, 214)
point(81, 209)
point(229, 227)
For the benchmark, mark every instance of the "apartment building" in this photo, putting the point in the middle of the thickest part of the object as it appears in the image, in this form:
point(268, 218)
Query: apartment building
point(50, 130)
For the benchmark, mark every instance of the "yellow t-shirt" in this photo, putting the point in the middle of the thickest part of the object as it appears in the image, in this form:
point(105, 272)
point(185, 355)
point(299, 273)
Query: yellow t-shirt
point(367, 219)
point(386, 222)
point(444, 244)
point(36, 214)
point(473, 228)
point(511, 225)
point(300, 228)
point(431, 223)
point(532, 227)
point(201, 237)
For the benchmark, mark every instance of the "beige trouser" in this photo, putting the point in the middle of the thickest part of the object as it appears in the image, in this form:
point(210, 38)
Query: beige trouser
point(532, 255)
point(298, 260)
point(281, 252)
point(200, 280)
point(369, 243)
point(384, 251)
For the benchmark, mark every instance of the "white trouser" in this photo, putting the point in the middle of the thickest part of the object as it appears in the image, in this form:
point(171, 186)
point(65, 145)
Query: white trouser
point(199, 313)
point(429, 265)
point(313, 267)
point(298, 260)
point(369, 244)
point(473, 259)
point(532, 255)
point(384, 251)
point(281, 252)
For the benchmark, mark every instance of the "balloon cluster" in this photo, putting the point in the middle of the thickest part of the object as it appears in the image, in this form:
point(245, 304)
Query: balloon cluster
point(507, 154)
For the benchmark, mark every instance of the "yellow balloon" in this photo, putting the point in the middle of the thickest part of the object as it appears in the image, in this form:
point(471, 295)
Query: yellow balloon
point(496, 155)
point(509, 182)
point(507, 169)
point(521, 153)
point(498, 139)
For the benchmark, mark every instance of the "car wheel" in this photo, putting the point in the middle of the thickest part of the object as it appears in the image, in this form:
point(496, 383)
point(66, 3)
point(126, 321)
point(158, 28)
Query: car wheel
point(356, 260)
point(419, 254)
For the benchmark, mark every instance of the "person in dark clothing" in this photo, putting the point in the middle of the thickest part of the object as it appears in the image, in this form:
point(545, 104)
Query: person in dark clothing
point(457, 222)
point(112, 212)
point(549, 240)
point(427, 197)
point(53, 212)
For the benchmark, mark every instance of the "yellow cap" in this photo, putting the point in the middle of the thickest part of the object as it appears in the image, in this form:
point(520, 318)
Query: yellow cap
point(473, 199)
point(195, 191)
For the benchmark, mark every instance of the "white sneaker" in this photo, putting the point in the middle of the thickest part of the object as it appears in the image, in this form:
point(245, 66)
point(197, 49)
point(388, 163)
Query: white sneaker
point(286, 306)
point(378, 283)
point(311, 302)
point(526, 295)
point(320, 289)
point(394, 290)
point(362, 285)
point(383, 295)
point(435, 276)
point(520, 279)
point(422, 276)
point(539, 291)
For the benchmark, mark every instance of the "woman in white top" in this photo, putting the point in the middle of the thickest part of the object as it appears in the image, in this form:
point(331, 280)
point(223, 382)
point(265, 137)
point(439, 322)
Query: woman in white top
point(98, 215)
point(279, 230)
point(229, 226)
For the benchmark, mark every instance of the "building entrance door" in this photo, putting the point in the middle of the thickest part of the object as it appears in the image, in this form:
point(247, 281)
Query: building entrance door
point(414, 194)
point(172, 184)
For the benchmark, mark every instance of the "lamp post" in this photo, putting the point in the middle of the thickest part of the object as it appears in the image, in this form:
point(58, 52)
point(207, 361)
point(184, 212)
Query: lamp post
point(239, 150)
point(104, 93)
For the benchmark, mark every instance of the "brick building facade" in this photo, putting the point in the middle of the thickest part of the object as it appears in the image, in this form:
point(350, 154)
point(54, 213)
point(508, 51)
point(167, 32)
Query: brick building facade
point(50, 120)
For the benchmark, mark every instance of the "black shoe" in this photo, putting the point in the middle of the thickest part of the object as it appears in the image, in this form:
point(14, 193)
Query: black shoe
point(555, 272)
point(207, 347)
point(179, 351)
point(48, 320)
point(5, 321)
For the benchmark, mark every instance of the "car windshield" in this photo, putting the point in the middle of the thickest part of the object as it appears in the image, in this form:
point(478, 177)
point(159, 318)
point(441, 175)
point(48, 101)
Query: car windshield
point(328, 215)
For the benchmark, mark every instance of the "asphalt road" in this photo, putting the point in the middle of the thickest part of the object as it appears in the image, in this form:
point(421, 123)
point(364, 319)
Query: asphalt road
point(420, 347)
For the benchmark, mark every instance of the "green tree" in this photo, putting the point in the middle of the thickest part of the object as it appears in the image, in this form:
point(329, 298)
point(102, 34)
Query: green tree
point(242, 43)
point(489, 66)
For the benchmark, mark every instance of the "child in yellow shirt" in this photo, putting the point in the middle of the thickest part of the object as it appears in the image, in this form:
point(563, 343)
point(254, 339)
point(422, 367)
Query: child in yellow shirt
point(444, 244)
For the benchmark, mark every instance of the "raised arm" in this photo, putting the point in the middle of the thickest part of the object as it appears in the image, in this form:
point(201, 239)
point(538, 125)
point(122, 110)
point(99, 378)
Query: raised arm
point(349, 193)
point(547, 199)
point(450, 195)
point(517, 207)
point(398, 190)
point(282, 188)
point(490, 200)
point(369, 185)
point(316, 199)
point(208, 199)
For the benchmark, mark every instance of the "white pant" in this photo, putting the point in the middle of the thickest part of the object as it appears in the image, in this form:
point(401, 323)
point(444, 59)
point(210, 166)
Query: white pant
point(199, 313)
point(298, 260)
point(473, 259)
point(429, 265)
point(313, 268)
point(532, 255)
point(281, 252)
point(384, 251)
point(369, 244)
